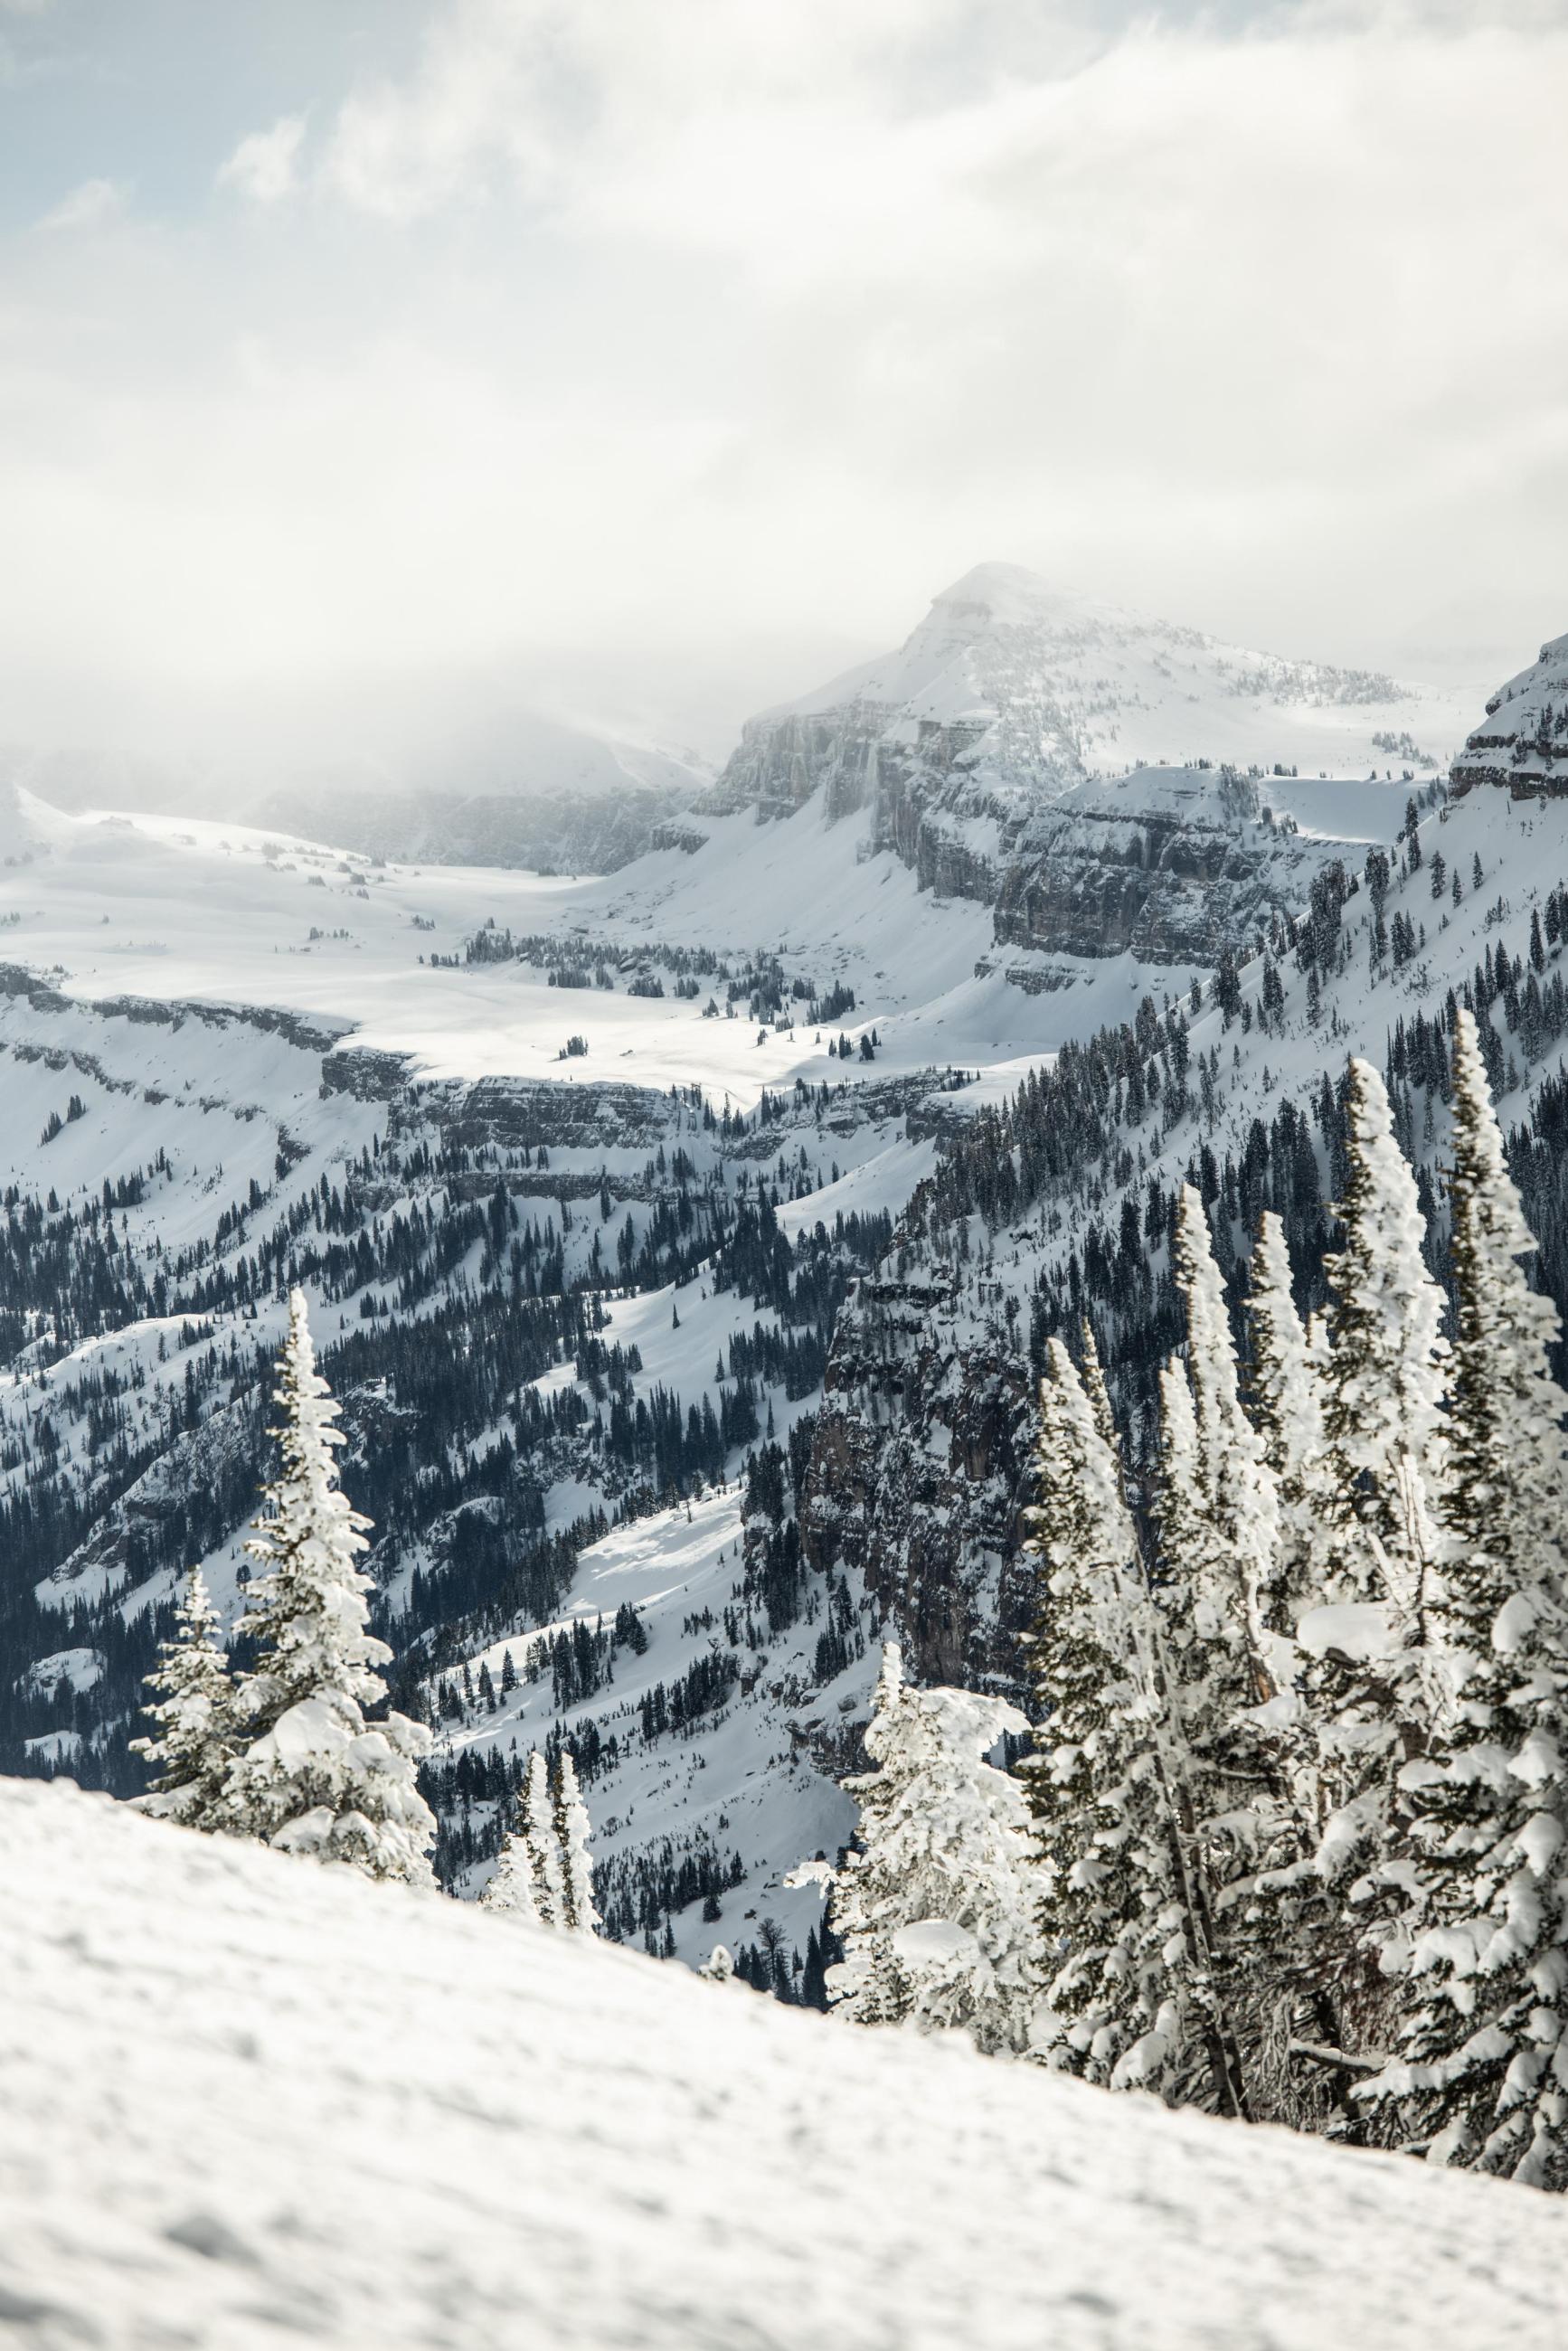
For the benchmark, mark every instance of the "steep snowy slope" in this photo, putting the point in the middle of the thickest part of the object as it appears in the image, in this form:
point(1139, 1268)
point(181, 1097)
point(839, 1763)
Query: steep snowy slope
point(247, 2098)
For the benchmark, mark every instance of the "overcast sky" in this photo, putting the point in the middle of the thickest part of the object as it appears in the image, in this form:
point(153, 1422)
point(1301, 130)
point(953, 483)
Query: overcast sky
point(648, 358)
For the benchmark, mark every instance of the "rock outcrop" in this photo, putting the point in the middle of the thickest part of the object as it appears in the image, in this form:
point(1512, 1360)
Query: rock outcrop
point(1522, 742)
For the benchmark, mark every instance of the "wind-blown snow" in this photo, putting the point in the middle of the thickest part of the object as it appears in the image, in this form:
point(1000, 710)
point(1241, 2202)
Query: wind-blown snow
point(247, 2098)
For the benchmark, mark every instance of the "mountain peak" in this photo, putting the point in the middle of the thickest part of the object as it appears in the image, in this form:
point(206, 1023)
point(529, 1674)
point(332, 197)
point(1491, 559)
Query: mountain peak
point(1006, 592)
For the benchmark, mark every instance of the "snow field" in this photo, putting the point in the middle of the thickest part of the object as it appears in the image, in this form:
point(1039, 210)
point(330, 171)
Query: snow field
point(249, 2097)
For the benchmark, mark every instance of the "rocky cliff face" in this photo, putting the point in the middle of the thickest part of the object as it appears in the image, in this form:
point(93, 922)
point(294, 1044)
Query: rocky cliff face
point(1522, 742)
point(917, 1474)
point(1172, 864)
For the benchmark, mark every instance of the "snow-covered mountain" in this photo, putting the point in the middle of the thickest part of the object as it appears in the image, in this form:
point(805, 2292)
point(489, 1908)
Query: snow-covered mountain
point(1016, 691)
point(247, 2097)
point(984, 747)
point(580, 1176)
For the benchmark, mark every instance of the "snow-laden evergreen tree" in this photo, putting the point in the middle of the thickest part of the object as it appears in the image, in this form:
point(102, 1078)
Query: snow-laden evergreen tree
point(194, 1741)
point(1481, 2076)
point(1384, 1380)
point(311, 1775)
point(1230, 1556)
point(1288, 1412)
point(934, 1909)
point(570, 1824)
point(1111, 1903)
point(515, 1889)
point(1370, 1681)
point(1202, 1698)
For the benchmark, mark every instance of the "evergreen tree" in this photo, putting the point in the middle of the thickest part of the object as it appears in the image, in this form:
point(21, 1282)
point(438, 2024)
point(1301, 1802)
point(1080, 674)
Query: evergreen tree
point(1482, 2074)
point(313, 1776)
point(1196, 1645)
point(570, 1827)
point(1369, 1680)
point(193, 1740)
point(1383, 1385)
point(1288, 1412)
point(1103, 1835)
point(934, 1909)
point(515, 1889)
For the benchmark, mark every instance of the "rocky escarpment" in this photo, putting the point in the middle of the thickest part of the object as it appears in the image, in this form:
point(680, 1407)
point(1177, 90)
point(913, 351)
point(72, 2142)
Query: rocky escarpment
point(1170, 865)
point(918, 1474)
point(1522, 742)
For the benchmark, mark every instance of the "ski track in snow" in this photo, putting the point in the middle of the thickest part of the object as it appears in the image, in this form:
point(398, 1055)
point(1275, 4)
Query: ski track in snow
point(247, 2098)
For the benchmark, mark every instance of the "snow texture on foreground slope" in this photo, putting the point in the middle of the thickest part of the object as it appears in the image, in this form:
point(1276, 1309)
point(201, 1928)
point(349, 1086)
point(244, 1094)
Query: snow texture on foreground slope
point(244, 2095)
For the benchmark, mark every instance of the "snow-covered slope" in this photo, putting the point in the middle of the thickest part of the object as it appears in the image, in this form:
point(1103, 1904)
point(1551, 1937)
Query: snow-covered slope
point(1522, 741)
point(246, 2098)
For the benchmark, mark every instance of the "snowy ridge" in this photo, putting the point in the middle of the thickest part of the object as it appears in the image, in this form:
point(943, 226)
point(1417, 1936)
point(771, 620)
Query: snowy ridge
point(281, 2118)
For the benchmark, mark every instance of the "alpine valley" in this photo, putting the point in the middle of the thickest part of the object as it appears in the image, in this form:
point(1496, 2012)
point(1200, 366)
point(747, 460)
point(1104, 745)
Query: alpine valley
point(683, 1242)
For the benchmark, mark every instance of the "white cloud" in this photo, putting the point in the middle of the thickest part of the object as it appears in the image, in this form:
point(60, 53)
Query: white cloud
point(89, 206)
point(618, 342)
point(265, 166)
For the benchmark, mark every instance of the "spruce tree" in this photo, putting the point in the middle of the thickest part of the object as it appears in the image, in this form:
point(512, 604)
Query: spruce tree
point(194, 1741)
point(1288, 1413)
point(514, 1889)
point(935, 1909)
point(571, 1825)
point(313, 1776)
point(1369, 1678)
point(1385, 1378)
point(1232, 1565)
point(1481, 2076)
point(1196, 1654)
point(1103, 1828)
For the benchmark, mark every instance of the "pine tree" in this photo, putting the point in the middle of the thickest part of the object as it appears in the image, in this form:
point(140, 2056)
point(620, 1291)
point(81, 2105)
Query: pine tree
point(1102, 1829)
point(314, 1776)
point(1196, 1648)
point(515, 1887)
point(1482, 2074)
point(1383, 1385)
point(571, 1825)
point(934, 1909)
point(1230, 1555)
point(193, 1741)
point(1369, 1681)
point(1288, 1412)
